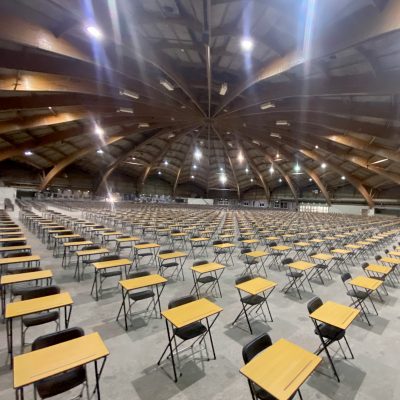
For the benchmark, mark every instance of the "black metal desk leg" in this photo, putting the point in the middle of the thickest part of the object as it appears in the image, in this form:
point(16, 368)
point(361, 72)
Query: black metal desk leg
point(171, 351)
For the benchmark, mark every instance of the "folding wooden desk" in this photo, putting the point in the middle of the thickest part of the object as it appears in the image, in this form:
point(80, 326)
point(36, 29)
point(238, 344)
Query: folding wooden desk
point(175, 255)
point(337, 315)
point(22, 308)
point(302, 267)
point(5, 241)
point(179, 317)
point(5, 262)
point(214, 270)
point(104, 265)
point(87, 253)
point(281, 369)
point(226, 254)
point(32, 367)
point(138, 283)
point(70, 245)
point(147, 246)
point(24, 247)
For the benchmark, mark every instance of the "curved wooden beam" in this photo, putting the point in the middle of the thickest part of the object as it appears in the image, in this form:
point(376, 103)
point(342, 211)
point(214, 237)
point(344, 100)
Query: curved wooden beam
point(313, 175)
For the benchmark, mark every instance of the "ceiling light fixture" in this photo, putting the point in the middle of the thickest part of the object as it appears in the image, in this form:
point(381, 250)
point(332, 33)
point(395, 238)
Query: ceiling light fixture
point(166, 162)
point(343, 178)
point(192, 177)
point(268, 105)
point(276, 135)
point(223, 89)
point(323, 165)
point(195, 166)
point(98, 131)
point(240, 157)
point(159, 172)
point(167, 84)
point(380, 161)
point(271, 169)
point(223, 178)
point(128, 93)
point(282, 123)
point(247, 44)
point(125, 110)
point(28, 153)
point(94, 32)
point(247, 170)
point(316, 146)
point(310, 179)
point(197, 154)
point(251, 180)
point(297, 168)
point(280, 179)
point(100, 151)
point(221, 169)
point(143, 125)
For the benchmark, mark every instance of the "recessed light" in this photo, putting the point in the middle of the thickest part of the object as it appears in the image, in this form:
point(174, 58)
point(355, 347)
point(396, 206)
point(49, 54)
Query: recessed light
point(323, 165)
point(94, 31)
point(343, 178)
point(316, 146)
point(28, 153)
point(194, 166)
point(143, 125)
point(280, 179)
point(310, 179)
point(221, 169)
point(192, 177)
point(271, 169)
point(98, 131)
point(166, 162)
point(247, 170)
point(159, 172)
point(240, 157)
point(297, 168)
point(100, 151)
point(197, 154)
point(265, 106)
point(282, 123)
point(247, 44)
point(223, 89)
point(128, 93)
point(252, 180)
point(125, 110)
point(167, 84)
point(223, 178)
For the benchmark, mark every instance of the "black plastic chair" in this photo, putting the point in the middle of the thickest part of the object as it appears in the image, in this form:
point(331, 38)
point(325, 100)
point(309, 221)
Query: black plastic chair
point(64, 381)
point(251, 350)
point(205, 280)
point(293, 278)
point(163, 266)
point(42, 317)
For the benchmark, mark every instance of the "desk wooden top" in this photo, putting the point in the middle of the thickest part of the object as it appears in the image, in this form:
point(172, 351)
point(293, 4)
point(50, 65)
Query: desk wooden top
point(341, 251)
point(200, 239)
point(353, 246)
point(250, 241)
point(281, 248)
point(128, 239)
point(180, 234)
point(366, 282)
point(364, 243)
point(209, 267)
point(69, 236)
point(272, 238)
point(81, 243)
point(11, 232)
point(25, 277)
point(322, 256)
point(175, 254)
point(143, 281)
point(224, 245)
point(391, 260)
point(302, 244)
point(92, 252)
point(394, 253)
point(301, 265)
point(191, 312)
point(281, 368)
point(25, 307)
point(380, 269)
point(13, 248)
point(146, 246)
point(317, 240)
point(256, 253)
point(335, 314)
point(256, 285)
point(16, 260)
point(112, 263)
point(13, 239)
point(112, 233)
point(36, 365)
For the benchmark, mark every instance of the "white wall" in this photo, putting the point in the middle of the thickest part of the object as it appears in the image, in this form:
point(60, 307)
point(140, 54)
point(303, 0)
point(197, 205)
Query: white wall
point(200, 201)
point(7, 193)
point(349, 209)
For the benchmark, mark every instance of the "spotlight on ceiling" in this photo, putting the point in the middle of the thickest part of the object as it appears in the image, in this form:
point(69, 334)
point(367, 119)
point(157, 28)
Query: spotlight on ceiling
point(167, 84)
point(128, 93)
point(247, 170)
point(251, 180)
point(192, 177)
point(28, 153)
point(100, 151)
point(316, 146)
point(159, 172)
point(195, 166)
point(240, 157)
point(268, 105)
point(276, 135)
point(310, 180)
point(98, 131)
point(271, 169)
point(280, 180)
point(297, 168)
point(166, 162)
point(125, 110)
point(94, 31)
point(223, 178)
point(247, 44)
point(380, 161)
point(323, 165)
point(223, 89)
point(221, 169)
point(343, 178)
point(282, 123)
point(197, 154)
point(143, 125)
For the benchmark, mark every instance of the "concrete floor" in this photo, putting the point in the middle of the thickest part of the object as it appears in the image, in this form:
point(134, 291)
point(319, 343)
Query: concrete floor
point(131, 371)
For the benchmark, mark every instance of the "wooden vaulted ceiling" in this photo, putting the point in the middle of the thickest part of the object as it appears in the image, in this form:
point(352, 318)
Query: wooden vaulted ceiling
point(330, 69)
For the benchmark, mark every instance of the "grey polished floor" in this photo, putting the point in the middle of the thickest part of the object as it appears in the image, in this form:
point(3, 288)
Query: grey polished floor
point(131, 371)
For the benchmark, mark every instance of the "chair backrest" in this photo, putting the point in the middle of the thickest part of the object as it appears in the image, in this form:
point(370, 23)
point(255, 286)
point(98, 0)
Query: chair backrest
point(166, 251)
point(240, 238)
point(40, 292)
point(17, 243)
point(143, 242)
point(78, 239)
point(23, 270)
point(181, 301)
point(345, 277)
point(67, 233)
point(243, 279)
point(314, 304)
point(218, 242)
point(386, 251)
point(54, 338)
point(201, 262)
point(16, 254)
point(138, 274)
point(123, 236)
point(245, 250)
point(109, 258)
point(257, 345)
point(272, 244)
point(378, 257)
point(98, 226)
point(175, 231)
point(364, 265)
point(91, 247)
point(287, 261)
point(313, 253)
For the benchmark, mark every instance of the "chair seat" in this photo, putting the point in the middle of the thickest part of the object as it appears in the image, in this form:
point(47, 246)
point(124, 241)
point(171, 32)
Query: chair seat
point(276, 254)
point(294, 275)
point(169, 265)
point(220, 251)
point(145, 254)
point(109, 274)
point(321, 266)
point(330, 332)
point(90, 261)
point(206, 279)
point(252, 300)
point(144, 294)
point(251, 262)
point(39, 319)
point(358, 294)
point(22, 289)
point(61, 383)
point(190, 331)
